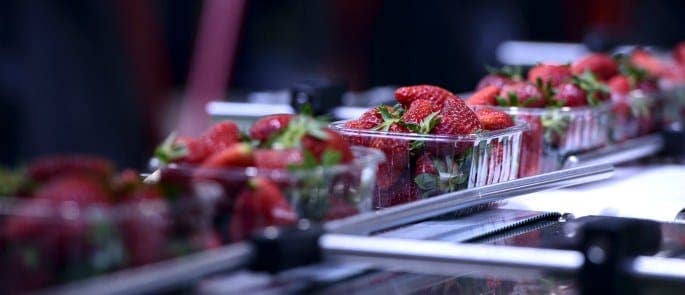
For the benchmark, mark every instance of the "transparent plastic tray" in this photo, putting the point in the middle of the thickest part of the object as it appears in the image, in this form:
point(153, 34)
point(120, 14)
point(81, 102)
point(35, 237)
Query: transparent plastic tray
point(419, 166)
point(44, 242)
point(636, 115)
point(673, 107)
point(554, 134)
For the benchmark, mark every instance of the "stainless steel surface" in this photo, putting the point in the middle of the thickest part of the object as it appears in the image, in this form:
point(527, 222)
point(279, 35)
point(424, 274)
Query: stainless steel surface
point(462, 200)
point(618, 153)
point(446, 258)
point(164, 275)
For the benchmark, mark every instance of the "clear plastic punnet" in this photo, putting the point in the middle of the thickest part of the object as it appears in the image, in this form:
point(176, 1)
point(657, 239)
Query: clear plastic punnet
point(424, 165)
point(554, 134)
point(635, 114)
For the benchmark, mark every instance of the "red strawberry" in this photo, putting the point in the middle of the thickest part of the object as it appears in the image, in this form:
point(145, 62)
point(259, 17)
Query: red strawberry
point(549, 73)
point(221, 136)
point(404, 191)
point(679, 53)
point(620, 84)
point(492, 119)
point(485, 96)
point(373, 116)
point(602, 65)
point(333, 143)
point(494, 80)
point(267, 126)
point(648, 62)
point(424, 164)
point(521, 94)
point(531, 146)
point(125, 181)
point(145, 232)
point(405, 95)
point(182, 150)
point(457, 118)
point(83, 190)
point(45, 168)
point(419, 110)
point(259, 205)
point(277, 159)
point(396, 160)
point(340, 208)
point(570, 95)
point(236, 155)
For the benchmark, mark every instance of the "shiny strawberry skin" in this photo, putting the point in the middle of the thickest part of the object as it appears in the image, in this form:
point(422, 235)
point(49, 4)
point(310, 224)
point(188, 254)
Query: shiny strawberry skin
point(221, 136)
point(492, 119)
point(620, 85)
point(372, 117)
point(396, 160)
point(648, 62)
point(527, 93)
point(335, 142)
point(406, 95)
point(267, 126)
point(259, 205)
point(277, 159)
point(554, 74)
point(44, 168)
point(236, 155)
point(457, 118)
point(571, 95)
point(419, 110)
point(493, 80)
point(602, 65)
point(485, 96)
point(424, 164)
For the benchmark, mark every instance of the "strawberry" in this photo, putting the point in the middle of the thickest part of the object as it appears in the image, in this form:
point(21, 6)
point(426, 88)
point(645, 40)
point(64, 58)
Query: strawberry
point(492, 119)
point(422, 116)
point(182, 150)
point(334, 144)
point(145, 233)
point(500, 77)
point(340, 208)
point(358, 124)
point(549, 73)
point(396, 160)
point(648, 62)
point(531, 146)
point(679, 53)
point(594, 91)
point(620, 84)
point(434, 175)
point(221, 136)
point(404, 191)
point(484, 96)
point(259, 205)
point(457, 118)
point(523, 94)
point(236, 155)
point(42, 169)
point(277, 159)
point(406, 95)
point(373, 117)
point(125, 181)
point(570, 95)
point(81, 189)
point(602, 65)
point(268, 126)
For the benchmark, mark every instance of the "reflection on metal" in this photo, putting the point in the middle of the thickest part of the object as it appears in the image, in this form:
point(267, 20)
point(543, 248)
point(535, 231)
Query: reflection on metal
point(463, 200)
point(618, 153)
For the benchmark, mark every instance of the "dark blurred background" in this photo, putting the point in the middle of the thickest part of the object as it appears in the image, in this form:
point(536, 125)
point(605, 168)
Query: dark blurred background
point(103, 77)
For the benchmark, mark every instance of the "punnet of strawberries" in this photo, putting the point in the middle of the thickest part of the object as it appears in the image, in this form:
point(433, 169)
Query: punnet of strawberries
point(72, 216)
point(434, 143)
point(284, 168)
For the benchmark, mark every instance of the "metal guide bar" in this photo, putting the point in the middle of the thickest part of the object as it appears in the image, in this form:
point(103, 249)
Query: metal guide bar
point(181, 271)
point(446, 258)
point(461, 200)
point(629, 150)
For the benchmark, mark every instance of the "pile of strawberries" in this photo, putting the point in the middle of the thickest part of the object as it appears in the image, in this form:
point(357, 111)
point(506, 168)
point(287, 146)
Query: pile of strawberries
point(278, 146)
point(416, 167)
point(53, 234)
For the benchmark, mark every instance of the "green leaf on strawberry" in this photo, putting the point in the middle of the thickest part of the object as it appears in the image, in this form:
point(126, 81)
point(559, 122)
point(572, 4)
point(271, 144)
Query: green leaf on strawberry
point(331, 158)
point(592, 86)
point(512, 72)
point(449, 177)
point(501, 101)
point(169, 151)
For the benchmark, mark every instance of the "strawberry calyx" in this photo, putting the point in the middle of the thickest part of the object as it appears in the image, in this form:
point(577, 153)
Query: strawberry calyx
point(170, 150)
point(555, 126)
point(549, 93)
point(390, 117)
point(300, 126)
point(635, 74)
point(426, 125)
point(11, 182)
point(514, 73)
point(448, 178)
point(514, 101)
point(594, 88)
